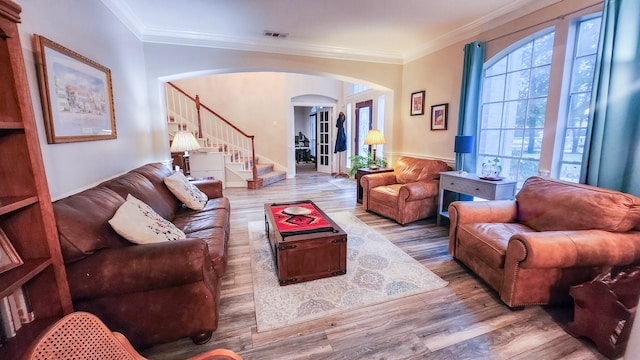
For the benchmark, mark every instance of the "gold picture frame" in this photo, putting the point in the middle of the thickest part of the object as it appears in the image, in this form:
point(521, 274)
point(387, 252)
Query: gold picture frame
point(76, 92)
point(9, 257)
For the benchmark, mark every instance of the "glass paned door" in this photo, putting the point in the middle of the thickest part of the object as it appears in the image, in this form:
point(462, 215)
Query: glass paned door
point(323, 145)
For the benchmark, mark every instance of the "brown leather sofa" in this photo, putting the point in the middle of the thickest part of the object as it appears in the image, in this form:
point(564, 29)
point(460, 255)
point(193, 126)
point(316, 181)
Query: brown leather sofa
point(555, 234)
point(151, 293)
point(407, 194)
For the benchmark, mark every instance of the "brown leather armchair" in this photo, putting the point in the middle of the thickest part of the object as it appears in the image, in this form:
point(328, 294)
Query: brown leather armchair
point(555, 234)
point(407, 194)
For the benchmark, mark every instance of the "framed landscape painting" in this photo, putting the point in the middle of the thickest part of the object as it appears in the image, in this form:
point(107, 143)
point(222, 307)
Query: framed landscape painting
point(77, 98)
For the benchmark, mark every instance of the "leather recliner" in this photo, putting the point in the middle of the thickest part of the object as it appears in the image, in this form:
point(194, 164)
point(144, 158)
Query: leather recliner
point(407, 194)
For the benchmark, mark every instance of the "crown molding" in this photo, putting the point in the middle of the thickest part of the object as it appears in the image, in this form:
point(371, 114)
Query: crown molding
point(269, 45)
point(507, 13)
point(123, 12)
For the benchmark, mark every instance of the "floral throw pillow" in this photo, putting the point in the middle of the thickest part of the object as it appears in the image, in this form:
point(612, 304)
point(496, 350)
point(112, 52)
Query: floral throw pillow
point(139, 223)
point(185, 191)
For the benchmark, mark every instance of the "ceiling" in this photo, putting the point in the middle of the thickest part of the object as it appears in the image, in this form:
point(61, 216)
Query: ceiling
point(388, 31)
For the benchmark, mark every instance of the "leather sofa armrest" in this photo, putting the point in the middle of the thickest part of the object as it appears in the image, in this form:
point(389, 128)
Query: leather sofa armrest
point(374, 180)
point(573, 248)
point(419, 190)
point(212, 188)
point(139, 268)
point(468, 212)
point(371, 181)
point(495, 211)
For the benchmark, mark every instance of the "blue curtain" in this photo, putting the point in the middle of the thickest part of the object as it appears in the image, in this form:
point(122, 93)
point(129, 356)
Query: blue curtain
point(470, 99)
point(612, 150)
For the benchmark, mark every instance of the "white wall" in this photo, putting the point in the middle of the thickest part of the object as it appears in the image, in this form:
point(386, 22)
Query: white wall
point(90, 29)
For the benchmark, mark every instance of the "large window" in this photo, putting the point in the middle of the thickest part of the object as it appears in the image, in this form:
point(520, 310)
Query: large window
point(514, 102)
point(514, 105)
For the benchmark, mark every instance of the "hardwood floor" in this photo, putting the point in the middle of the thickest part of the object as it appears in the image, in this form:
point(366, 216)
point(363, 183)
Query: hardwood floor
point(464, 320)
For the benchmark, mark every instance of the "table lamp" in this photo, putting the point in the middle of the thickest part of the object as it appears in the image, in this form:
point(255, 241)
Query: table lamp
point(463, 145)
point(374, 137)
point(184, 141)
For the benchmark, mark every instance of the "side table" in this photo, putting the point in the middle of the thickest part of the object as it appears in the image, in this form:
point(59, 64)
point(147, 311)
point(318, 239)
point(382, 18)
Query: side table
point(366, 171)
point(470, 184)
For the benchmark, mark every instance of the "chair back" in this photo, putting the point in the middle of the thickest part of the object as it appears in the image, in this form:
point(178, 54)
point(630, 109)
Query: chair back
point(80, 335)
point(83, 336)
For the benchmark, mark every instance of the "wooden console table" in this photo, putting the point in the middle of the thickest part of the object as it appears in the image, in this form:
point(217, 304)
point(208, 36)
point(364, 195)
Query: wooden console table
point(470, 184)
point(366, 171)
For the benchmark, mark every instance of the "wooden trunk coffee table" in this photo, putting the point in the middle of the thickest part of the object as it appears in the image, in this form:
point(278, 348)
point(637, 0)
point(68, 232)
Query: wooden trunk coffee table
point(305, 243)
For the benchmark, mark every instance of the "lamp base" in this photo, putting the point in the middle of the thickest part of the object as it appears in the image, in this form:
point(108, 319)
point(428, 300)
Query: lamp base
point(374, 167)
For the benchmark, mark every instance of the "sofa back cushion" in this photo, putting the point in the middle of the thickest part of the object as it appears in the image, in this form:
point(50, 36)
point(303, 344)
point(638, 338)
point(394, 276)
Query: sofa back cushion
point(549, 204)
point(409, 169)
point(140, 184)
point(82, 221)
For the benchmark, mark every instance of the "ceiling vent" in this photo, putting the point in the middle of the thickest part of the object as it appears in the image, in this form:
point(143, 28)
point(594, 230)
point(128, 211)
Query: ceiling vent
point(275, 34)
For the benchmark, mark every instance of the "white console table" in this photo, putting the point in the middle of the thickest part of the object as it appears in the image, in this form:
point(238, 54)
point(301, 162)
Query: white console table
point(207, 164)
point(470, 184)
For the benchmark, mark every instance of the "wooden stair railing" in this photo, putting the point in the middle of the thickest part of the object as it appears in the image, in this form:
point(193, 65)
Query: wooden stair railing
point(214, 129)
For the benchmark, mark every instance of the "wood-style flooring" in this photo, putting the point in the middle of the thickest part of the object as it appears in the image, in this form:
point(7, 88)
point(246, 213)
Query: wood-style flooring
point(465, 320)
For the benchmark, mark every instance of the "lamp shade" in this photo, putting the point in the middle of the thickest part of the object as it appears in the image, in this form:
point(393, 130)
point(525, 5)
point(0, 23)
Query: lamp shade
point(184, 141)
point(374, 137)
point(463, 145)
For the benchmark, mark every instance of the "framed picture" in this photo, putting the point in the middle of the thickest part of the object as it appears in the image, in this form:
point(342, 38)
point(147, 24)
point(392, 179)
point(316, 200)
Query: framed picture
point(417, 103)
point(8, 256)
point(439, 116)
point(77, 98)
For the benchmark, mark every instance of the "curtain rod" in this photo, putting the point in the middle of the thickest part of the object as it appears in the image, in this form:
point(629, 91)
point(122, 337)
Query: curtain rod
point(544, 22)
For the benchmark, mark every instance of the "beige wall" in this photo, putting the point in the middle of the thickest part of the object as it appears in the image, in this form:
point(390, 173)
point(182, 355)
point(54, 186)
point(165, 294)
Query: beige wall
point(139, 70)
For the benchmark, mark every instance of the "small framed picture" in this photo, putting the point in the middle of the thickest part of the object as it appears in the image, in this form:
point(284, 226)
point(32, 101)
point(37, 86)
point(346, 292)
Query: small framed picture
point(439, 115)
point(417, 103)
point(9, 258)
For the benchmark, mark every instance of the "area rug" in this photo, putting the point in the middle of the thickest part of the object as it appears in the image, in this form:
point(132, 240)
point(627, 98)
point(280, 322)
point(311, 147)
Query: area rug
point(343, 183)
point(377, 271)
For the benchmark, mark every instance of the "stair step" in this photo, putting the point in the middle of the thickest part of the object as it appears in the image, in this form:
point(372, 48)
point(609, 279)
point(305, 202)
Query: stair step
point(264, 169)
point(273, 177)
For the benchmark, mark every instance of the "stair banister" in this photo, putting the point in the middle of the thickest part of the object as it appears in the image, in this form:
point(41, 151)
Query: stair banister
point(238, 132)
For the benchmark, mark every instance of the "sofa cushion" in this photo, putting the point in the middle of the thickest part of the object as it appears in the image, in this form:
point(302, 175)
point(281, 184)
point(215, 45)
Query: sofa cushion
point(82, 222)
point(142, 188)
point(140, 224)
point(186, 192)
point(489, 240)
point(549, 204)
point(409, 169)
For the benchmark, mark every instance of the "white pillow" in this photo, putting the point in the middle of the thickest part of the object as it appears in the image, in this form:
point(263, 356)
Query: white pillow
point(139, 223)
point(185, 191)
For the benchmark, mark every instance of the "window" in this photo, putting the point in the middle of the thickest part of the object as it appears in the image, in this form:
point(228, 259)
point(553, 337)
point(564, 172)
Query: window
point(514, 102)
point(579, 98)
point(514, 112)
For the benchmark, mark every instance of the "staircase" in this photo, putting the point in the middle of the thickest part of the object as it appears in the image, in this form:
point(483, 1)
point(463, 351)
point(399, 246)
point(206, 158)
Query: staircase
point(216, 134)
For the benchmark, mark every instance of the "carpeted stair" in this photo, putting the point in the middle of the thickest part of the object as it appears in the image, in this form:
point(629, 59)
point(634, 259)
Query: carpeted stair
point(269, 175)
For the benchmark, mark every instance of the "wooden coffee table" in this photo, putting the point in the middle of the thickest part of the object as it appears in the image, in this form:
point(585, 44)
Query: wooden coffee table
point(305, 243)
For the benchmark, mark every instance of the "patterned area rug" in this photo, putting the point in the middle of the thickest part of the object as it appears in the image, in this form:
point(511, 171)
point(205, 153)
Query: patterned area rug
point(343, 183)
point(377, 271)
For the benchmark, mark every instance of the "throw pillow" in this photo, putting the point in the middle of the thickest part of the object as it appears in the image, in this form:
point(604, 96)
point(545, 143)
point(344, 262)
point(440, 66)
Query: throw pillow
point(185, 191)
point(139, 223)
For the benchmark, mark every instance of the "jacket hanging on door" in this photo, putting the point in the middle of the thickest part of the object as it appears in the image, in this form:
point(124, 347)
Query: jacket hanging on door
point(341, 138)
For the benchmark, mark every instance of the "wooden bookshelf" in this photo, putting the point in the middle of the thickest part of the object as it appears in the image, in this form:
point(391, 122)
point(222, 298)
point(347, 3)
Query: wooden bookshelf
point(26, 213)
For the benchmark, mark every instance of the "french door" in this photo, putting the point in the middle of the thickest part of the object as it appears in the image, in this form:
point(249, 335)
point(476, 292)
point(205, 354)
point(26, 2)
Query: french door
point(323, 150)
